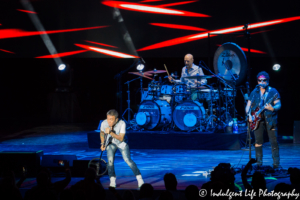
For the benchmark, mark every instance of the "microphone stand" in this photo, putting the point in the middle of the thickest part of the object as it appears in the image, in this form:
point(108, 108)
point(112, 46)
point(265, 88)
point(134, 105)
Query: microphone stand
point(119, 79)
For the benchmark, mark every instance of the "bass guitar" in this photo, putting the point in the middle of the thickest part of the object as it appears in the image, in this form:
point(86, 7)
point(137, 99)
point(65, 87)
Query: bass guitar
point(256, 114)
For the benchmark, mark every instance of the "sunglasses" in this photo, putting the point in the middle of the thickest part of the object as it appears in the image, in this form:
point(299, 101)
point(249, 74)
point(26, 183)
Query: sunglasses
point(262, 80)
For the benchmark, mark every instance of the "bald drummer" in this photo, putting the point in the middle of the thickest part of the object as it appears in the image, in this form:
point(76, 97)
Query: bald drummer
point(190, 69)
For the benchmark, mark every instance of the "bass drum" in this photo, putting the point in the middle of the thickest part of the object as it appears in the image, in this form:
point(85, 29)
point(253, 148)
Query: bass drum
point(154, 114)
point(188, 115)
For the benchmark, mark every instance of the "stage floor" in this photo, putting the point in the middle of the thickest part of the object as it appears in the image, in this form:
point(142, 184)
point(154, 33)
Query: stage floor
point(189, 166)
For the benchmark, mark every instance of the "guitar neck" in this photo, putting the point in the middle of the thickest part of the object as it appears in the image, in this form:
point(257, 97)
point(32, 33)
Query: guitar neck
point(260, 110)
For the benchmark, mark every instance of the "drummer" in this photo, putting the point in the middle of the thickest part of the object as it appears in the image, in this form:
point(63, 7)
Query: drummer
point(190, 69)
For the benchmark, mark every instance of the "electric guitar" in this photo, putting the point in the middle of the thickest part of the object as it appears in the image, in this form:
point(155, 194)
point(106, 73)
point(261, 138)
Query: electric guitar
point(256, 114)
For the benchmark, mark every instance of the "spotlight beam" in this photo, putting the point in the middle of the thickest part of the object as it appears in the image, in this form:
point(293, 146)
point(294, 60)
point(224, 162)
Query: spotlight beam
point(38, 25)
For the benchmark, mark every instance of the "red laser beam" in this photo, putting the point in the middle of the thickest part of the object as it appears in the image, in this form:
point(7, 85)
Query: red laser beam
point(150, 9)
point(6, 51)
point(106, 51)
point(142, 75)
point(176, 4)
point(12, 33)
point(198, 36)
point(256, 32)
point(59, 55)
point(251, 50)
point(146, 1)
point(177, 26)
point(107, 45)
point(27, 11)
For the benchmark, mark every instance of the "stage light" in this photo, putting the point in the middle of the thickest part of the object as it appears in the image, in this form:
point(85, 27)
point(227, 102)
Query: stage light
point(61, 67)
point(140, 67)
point(276, 67)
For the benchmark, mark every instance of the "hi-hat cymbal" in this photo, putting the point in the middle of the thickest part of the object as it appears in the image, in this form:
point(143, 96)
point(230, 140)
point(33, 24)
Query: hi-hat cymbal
point(142, 75)
point(199, 77)
point(155, 72)
point(171, 75)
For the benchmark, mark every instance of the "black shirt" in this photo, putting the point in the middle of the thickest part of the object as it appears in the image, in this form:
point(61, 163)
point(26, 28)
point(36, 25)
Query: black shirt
point(255, 98)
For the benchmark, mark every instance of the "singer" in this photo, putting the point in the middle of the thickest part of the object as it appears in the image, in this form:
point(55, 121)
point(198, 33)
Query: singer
point(190, 69)
point(258, 98)
point(116, 129)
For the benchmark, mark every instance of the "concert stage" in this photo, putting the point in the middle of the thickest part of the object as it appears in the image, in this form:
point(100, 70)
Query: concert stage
point(177, 140)
point(189, 166)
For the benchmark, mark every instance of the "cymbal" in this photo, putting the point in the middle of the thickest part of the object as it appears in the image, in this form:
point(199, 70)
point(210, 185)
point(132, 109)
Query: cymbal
point(200, 87)
point(199, 77)
point(225, 75)
point(155, 72)
point(171, 75)
point(142, 75)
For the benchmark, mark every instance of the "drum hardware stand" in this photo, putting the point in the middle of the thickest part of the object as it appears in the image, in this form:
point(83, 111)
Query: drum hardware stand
point(128, 109)
point(203, 65)
point(119, 79)
point(210, 119)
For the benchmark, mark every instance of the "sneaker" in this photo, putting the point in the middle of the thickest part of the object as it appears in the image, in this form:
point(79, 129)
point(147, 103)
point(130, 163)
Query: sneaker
point(140, 180)
point(112, 181)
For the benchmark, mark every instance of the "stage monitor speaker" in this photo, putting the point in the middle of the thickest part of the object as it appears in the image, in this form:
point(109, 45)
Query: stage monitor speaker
point(18, 162)
point(79, 167)
point(297, 132)
point(57, 160)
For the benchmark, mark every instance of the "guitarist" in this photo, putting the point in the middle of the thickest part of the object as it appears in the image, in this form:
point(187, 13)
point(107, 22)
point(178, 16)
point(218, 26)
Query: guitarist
point(258, 98)
point(116, 130)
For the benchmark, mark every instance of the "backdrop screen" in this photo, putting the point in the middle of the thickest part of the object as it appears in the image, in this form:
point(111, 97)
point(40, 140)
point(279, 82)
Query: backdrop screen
point(147, 28)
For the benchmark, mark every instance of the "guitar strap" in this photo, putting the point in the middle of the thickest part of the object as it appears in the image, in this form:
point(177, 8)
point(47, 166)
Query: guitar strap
point(266, 93)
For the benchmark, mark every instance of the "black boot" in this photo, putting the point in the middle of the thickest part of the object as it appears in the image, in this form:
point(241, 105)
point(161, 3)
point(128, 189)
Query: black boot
point(259, 155)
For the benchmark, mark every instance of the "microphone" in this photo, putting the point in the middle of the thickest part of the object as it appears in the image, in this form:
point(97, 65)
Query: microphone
point(200, 64)
point(143, 60)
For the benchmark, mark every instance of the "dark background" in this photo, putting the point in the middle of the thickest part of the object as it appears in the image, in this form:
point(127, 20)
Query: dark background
point(26, 83)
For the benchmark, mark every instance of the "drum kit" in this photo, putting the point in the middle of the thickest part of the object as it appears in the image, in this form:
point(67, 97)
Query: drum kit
point(176, 106)
point(167, 105)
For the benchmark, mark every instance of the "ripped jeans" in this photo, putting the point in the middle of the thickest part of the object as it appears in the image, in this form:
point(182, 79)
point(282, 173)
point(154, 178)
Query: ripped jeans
point(111, 151)
point(259, 139)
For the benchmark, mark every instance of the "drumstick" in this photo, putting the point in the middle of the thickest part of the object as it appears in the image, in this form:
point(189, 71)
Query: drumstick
point(166, 69)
